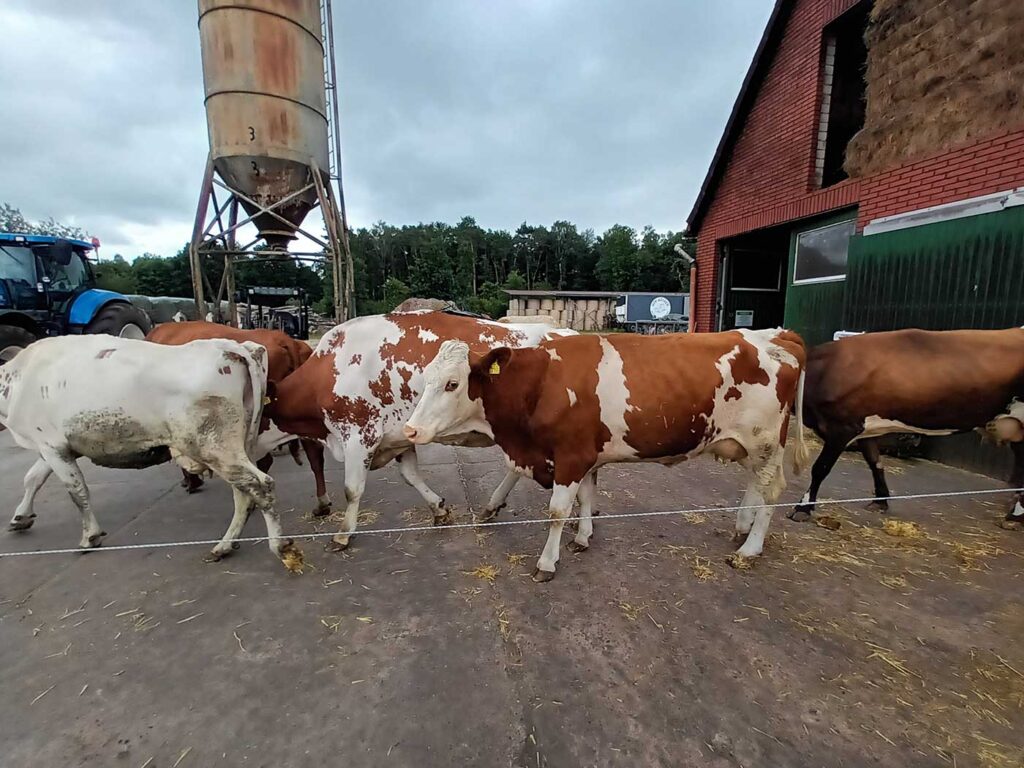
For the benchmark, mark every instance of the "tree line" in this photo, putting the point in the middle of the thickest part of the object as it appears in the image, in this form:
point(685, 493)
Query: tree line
point(470, 265)
point(463, 263)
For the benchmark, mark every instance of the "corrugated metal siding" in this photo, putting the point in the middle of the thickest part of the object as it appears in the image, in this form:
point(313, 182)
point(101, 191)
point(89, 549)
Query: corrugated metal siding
point(815, 310)
point(966, 273)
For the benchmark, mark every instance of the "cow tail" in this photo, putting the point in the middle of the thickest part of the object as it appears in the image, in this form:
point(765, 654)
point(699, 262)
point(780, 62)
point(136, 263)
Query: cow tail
point(802, 453)
point(257, 387)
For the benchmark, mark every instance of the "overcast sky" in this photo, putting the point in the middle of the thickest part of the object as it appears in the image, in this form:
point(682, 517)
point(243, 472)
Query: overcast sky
point(595, 111)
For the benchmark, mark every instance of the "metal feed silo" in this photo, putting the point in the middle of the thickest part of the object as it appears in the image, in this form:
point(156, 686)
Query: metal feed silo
point(275, 153)
point(266, 108)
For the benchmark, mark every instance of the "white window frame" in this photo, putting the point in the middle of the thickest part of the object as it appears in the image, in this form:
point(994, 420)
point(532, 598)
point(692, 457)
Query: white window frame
point(796, 254)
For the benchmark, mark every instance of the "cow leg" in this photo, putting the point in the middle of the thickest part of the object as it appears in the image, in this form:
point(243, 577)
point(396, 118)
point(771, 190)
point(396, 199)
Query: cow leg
point(357, 467)
point(745, 517)
point(835, 444)
point(410, 468)
point(258, 488)
point(293, 449)
point(869, 449)
point(499, 497)
point(754, 544)
point(227, 545)
point(1015, 517)
point(585, 529)
point(768, 484)
point(191, 483)
point(562, 499)
point(34, 479)
point(265, 463)
point(69, 473)
point(315, 454)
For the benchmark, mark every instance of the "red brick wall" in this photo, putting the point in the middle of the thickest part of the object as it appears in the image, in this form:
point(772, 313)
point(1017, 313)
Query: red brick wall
point(768, 175)
point(988, 166)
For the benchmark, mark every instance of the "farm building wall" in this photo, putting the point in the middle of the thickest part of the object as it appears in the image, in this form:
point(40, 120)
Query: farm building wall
point(768, 179)
point(769, 171)
point(939, 75)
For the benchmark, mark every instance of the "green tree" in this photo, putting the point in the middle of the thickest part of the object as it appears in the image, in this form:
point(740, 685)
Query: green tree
point(116, 275)
point(618, 263)
point(395, 292)
point(432, 270)
point(12, 220)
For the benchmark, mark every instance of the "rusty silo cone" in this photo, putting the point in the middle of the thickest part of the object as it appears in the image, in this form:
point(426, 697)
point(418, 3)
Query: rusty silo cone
point(265, 104)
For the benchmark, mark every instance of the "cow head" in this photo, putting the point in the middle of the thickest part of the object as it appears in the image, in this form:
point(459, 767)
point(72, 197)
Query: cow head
point(446, 407)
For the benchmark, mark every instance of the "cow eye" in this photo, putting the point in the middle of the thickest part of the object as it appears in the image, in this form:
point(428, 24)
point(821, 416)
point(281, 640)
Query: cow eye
point(451, 386)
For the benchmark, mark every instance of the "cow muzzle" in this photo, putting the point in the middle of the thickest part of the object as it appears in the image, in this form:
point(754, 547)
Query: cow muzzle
point(417, 435)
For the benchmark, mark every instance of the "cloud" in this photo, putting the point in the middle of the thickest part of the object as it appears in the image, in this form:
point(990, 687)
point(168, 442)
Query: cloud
point(595, 111)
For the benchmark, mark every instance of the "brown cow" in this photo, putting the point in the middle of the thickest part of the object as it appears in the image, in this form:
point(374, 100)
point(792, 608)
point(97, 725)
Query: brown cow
point(911, 381)
point(285, 355)
point(565, 408)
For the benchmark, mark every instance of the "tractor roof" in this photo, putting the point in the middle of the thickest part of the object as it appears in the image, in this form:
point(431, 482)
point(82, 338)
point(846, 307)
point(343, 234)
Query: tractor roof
point(17, 237)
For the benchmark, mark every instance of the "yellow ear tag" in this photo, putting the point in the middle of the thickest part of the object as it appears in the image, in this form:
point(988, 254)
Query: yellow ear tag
point(266, 400)
point(495, 369)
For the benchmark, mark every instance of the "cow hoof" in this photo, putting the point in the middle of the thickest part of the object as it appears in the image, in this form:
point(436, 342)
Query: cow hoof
point(575, 547)
point(322, 510)
point(799, 515)
point(22, 522)
point(94, 541)
point(540, 576)
point(215, 556)
point(337, 546)
point(740, 536)
point(1011, 525)
point(443, 516)
point(877, 506)
point(487, 515)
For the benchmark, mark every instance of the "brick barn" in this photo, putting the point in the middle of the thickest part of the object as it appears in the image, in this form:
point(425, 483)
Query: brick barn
point(871, 173)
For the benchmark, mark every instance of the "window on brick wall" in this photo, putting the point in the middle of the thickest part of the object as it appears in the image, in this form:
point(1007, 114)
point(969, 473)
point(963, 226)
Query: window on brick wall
point(844, 60)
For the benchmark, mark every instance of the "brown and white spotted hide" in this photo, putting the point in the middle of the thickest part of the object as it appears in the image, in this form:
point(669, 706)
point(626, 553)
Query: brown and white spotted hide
point(359, 387)
point(571, 405)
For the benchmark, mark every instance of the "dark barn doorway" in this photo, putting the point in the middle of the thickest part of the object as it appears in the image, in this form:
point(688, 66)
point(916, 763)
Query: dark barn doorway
point(753, 288)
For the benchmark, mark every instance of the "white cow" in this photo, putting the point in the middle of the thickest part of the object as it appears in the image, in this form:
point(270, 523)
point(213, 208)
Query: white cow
point(132, 404)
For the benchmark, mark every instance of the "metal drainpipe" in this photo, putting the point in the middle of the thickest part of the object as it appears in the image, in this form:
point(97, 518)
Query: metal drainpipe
point(693, 298)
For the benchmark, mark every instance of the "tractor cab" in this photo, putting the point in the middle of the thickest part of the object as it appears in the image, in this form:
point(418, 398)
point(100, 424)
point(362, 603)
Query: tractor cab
point(47, 288)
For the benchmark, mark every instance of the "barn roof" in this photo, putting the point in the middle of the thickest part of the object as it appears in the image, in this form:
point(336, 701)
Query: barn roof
point(748, 92)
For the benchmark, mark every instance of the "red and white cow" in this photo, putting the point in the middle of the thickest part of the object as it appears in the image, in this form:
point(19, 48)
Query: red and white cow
point(565, 408)
point(131, 404)
point(357, 390)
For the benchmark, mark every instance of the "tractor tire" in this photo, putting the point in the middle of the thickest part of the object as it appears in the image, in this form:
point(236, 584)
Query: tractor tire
point(13, 339)
point(120, 319)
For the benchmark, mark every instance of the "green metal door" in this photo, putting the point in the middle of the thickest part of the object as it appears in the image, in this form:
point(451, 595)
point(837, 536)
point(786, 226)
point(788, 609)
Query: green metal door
point(815, 298)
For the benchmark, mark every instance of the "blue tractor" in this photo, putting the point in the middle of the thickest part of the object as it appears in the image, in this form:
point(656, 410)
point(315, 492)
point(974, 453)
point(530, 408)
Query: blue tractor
point(48, 288)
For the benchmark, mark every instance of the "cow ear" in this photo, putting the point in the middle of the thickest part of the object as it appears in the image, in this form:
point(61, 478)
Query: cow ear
point(493, 362)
